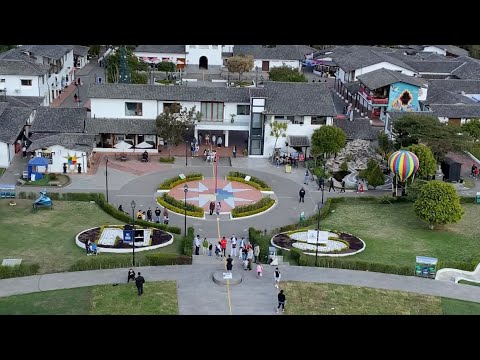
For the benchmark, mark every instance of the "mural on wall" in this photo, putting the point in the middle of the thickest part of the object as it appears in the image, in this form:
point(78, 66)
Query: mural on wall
point(403, 97)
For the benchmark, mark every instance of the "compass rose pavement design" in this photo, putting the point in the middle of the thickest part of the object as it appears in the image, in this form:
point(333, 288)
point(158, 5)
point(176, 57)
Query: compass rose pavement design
point(229, 193)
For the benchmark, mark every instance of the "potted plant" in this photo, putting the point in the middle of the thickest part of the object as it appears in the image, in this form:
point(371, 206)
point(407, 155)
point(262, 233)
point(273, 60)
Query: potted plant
point(232, 118)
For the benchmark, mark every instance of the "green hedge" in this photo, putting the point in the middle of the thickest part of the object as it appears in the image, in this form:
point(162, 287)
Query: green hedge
point(187, 245)
point(18, 270)
point(256, 237)
point(258, 207)
point(61, 196)
point(179, 206)
point(168, 259)
point(170, 159)
point(172, 182)
point(460, 265)
point(243, 181)
point(253, 179)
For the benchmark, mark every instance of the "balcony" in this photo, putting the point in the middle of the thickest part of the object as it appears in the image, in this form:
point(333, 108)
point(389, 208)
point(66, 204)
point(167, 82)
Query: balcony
point(372, 99)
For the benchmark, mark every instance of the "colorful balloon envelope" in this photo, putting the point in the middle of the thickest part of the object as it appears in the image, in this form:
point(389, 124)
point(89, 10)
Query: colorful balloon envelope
point(72, 160)
point(403, 164)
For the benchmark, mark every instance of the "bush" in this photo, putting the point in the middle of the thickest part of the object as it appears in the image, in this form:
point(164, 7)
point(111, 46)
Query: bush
point(256, 237)
point(179, 206)
point(254, 179)
point(105, 261)
point(187, 245)
point(172, 182)
point(52, 176)
point(167, 259)
point(344, 166)
point(170, 159)
point(18, 270)
point(415, 189)
point(258, 207)
point(243, 181)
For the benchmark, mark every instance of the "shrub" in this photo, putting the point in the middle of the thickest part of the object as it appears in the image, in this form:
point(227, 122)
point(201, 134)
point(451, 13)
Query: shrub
point(179, 206)
point(256, 237)
point(172, 182)
point(52, 176)
point(258, 207)
point(187, 245)
point(169, 159)
point(253, 179)
point(18, 270)
point(344, 166)
point(105, 261)
point(159, 259)
point(243, 181)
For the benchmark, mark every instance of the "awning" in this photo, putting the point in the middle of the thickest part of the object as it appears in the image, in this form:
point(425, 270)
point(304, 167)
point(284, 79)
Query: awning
point(298, 141)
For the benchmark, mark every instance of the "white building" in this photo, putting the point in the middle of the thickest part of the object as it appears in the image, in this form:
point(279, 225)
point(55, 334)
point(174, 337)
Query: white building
point(37, 70)
point(446, 50)
point(270, 56)
point(80, 56)
point(124, 112)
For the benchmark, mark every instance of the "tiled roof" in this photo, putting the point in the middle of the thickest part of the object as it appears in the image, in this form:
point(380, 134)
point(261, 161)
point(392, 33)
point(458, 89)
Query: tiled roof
point(439, 67)
point(161, 49)
point(298, 141)
point(452, 49)
point(80, 50)
point(12, 121)
point(121, 126)
point(23, 101)
point(299, 99)
point(168, 93)
point(362, 57)
point(357, 129)
point(22, 67)
point(456, 110)
point(455, 85)
point(59, 120)
point(279, 52)
point(80, 142)
point(470, 69)
point(440, 96)
point(383, 77)
point(50, 51)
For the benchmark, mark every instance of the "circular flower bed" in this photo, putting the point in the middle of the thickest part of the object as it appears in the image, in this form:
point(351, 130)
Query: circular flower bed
point(110, 239)
point(338, 243)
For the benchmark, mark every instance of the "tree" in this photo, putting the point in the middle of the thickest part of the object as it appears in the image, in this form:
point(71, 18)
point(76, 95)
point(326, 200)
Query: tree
point(438, 204)
point(94, 50)
point(327, 140)
point(135, 67)
point(174, 122)
point(473, 128)
point(426, 159)
point(240, 64)
point(279, 129)
point(167, 67)
point(384, 144)
point(375, 175)
point(287, 74)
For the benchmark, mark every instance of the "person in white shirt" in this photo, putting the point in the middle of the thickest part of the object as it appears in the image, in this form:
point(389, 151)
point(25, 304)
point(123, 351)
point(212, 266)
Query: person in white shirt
point(233, 241)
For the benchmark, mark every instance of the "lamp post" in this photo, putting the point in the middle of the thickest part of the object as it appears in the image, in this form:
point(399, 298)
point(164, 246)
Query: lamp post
point(185, 189)
point(106, 176)
point(132, 204)
point(318, 232)
point(256, 75)
point(323, 187)
point(186, 152)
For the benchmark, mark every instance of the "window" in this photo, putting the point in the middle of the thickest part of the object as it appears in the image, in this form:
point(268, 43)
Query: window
point(133, 109)
point(212, 111)
point(296, 119)
point(2, 80)
point(319, 120)
point(168, 107)
point(26, 82)
point(214, 47)
point(257, 121)
point(243, 109)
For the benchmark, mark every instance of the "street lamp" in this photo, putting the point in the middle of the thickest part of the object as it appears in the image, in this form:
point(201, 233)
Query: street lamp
point(323, 187)
point(185, 189)
point(256, 75)
point(318, 231)
point(106, 176)
point(186, 148)
point(132, 204)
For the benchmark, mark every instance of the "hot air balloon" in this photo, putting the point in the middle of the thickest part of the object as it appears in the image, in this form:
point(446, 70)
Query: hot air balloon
point(403, 164)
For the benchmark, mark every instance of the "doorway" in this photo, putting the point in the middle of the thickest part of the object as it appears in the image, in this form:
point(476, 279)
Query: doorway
point(203, 63)
point(265, 65)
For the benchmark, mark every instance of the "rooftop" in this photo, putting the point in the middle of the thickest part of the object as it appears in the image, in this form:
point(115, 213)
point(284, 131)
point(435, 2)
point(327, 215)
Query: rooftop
point(22, 67)
point(55, 52)
point(279, 52)
point(12, 121)
point(357, 129)
point(362, 57)
point(120, 126)
point(59, 120)
point(80, 142)
point(80, 50)
point(161, 49)
point(383, 77)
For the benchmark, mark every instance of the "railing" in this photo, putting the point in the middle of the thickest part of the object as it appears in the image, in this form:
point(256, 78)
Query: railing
point(372, 99)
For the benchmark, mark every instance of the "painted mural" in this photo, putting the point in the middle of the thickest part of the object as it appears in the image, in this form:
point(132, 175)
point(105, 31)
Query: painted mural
point(403, 97)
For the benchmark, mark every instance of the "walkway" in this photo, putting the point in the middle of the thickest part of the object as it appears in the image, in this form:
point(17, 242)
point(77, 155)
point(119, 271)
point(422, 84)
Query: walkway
point(199, 295)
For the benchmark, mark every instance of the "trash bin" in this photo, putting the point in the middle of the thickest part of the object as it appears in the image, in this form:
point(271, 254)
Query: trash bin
point(477, 198)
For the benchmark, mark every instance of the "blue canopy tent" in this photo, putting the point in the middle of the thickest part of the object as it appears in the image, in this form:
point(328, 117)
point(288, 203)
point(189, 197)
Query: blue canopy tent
point(35, 162)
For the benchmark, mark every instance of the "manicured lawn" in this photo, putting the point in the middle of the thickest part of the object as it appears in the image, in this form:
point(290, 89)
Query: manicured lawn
point(159, 298)
point(476, 151)
point(331, 299)
point(62, 180)
point(395, 235)
point(47, 237)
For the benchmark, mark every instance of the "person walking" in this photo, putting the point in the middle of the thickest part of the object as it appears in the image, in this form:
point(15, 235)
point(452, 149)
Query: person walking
point(212, 207)
point(139, 281)
point(277, 276)
point(219, 206)
point(131, 275)
point(207, 139)
point(281, 301)
point(229, 263)
point(321, 183)
point(233, 241)
point(259, 270)
point(307, 175)
point(205, 246)
point(256, 253)
point(250, 258)
point(223, 245)
point(158, 212)
point(234, 151)
point(343, 186)
point(210, 247)
point(302, 195)
point(331, 185)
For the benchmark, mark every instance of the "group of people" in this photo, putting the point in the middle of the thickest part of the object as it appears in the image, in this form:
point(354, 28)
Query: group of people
point(139, 280)
point(91, 248)
point(286, 160)
point(331, 184)
point(149, 215)
point(474, 172)
point(210, 140)
point(210, 155)
point(215, 206)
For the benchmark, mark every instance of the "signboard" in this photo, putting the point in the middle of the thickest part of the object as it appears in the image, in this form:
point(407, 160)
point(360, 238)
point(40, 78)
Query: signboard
point(128, 235)
point(247, 178)
point(227, 276)
point(288, 169)
point(426, 260)
point(181, 176)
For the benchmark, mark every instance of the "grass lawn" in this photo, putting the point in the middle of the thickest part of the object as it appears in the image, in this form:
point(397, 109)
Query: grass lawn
point(159, 298)
point(62, 180)
point(47, 237)
point(331, 299)
point(476, 151)
point(2, 170)
point(469, 183)
point(395, 235)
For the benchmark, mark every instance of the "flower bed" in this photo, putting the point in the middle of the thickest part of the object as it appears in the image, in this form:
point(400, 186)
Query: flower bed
point(172, 182)
point(246, 210)
point(179, 206)
point(238, 176)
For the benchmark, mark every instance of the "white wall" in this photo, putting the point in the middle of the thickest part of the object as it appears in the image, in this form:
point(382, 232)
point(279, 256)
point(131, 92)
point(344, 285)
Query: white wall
point(172, 56)
point(277, 63)
point(384, 65)
point(227, 48)
point(4, 149)
point(115, 108)
point(306, 129)
point(61, 156)
point(214, 56)
point(13, 83)
point(435, 49)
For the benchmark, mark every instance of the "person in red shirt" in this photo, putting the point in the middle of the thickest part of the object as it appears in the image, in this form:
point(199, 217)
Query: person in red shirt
point(223, 245)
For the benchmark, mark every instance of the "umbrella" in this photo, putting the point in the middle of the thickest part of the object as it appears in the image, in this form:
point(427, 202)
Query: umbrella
point(144, 145)
point(122, 145)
